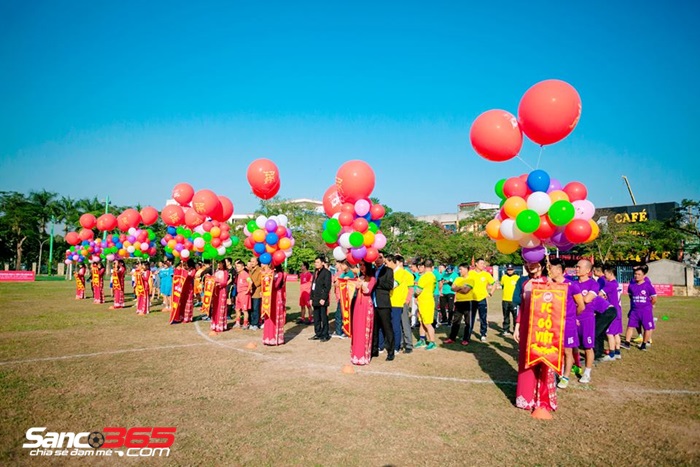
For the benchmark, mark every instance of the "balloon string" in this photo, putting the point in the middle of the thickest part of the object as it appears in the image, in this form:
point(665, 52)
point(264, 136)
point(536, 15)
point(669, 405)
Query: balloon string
point(523, 161)
point(540, 156)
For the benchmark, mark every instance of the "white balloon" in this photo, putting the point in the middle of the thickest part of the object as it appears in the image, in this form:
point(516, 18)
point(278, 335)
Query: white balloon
point(282, 220)
point(199, 229)
point(227, 243)
point(260, 221)
point(131, 231)
point(539, 202)
point(246, 231)
point(344, 240)
point(221, 250)
point(130, 248)
point(339, 253)
point(510, 231)
point(529, 241)
point(184, 254)
point(288, 253)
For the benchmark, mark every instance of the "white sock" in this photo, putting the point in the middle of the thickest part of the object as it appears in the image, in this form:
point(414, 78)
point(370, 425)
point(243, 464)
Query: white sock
point(587, 372)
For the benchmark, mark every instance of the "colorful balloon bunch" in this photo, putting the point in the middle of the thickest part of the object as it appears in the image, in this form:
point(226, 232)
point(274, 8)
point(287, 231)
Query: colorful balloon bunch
point(537, 212)
point(129, 219)
point(193, 209)
point(264, 178)
point(269, 238)
point(84, 251)
point(548, 112)
point(135, 243)
point(353, 228)
point(211, 240)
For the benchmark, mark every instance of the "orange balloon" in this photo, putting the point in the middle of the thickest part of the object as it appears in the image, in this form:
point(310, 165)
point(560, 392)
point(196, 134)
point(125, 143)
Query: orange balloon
point(259, 235)
point(493, 229)
point(549, 111)
point(172, 215)
point(215, 232)
point(270, 248)
point(557, 195)
point(514, 206)
point(496, 136)
point(149, 215)
point(507, 246)
point(595, 231)
point(284, 243)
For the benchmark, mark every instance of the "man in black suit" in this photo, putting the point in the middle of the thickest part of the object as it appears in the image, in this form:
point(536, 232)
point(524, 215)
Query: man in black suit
point(382, 308)
point(320, 294)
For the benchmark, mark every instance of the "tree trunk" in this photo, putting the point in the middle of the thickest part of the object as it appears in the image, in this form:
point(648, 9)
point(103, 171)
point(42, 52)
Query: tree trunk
point(18, 264)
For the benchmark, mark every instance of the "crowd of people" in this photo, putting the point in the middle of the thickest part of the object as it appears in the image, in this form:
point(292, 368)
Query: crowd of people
point(379, 305)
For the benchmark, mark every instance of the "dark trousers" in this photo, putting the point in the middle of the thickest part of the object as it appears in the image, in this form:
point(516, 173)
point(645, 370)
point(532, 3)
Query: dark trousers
point(461, 312)
point(480, 307)
point(382, 320)
point(602, 323)
point(321, 321)
point(255, 312)
point(447, 307)
point(396, 326)
point(509, 310)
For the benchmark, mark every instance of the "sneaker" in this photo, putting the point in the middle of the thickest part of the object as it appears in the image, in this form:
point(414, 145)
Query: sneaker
point(465, 342)
point(483, 338)
point(245, 327)
point(236, 326)
point(585, 379)
point(507, 334)
point(643, 346)
point(625, 345)
point(419, 344)
point(605, 358)
point(638, 340)
point(576, 370)
point(431, 346)
point(618, 356)
point(449, 341)
point(382, 350)
point(339, 336)
point(254, 328)
point(407, 350)
point(563, 382)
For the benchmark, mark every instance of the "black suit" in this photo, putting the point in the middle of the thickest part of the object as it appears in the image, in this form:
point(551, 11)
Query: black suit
point(320, 290)
point(382, 310)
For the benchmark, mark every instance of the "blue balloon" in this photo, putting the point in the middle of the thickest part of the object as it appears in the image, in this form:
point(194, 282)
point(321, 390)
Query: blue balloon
point(378, 222)
point(259, 248)
point(538, 180)
point(325, 223)
point(367, 216)
point(271, 239)
point(265, 258)
point(172, 230)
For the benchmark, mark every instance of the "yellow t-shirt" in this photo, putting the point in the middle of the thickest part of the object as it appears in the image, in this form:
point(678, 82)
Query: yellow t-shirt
point(403, 280)
point(508, 283)
point(427, 283)
point(481, 281)
point(459, 282)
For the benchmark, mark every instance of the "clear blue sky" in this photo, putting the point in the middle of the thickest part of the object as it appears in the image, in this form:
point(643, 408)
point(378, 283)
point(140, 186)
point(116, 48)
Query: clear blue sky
point(130, 98)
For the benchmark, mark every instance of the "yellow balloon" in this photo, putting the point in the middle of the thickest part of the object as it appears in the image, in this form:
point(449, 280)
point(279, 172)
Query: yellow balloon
point(259, 235)
point(284, 243)
point(215, 232)
point(514, 206)
point(507, 246)
point(595, 231)
point(493, 229)
point(557, 195)
point(368, 238)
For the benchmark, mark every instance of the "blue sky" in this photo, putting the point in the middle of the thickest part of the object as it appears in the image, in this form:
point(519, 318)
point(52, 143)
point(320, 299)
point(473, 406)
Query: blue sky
point(127, 99)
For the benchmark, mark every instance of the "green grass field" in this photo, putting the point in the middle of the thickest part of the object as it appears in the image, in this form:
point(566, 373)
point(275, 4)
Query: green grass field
point(73, 366)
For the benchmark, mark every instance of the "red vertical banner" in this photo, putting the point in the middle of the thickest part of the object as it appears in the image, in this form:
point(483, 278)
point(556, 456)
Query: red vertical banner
point(178, 283)
point(139, 288)
point(78, 282)
point(347, 290)
point(116, 285)
point(266, 293)
point(209, 283)
point(94, 275)
point(545, 337)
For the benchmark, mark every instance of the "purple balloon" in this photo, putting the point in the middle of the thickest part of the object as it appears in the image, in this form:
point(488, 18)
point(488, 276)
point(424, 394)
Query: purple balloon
point(359, 253)
point(270, 225)
point(565, 246)
point(179, 247)
point(131, 238)
point(289, 232)
point(534, 255)
point(558, 238)
point(163, 242)
point(554, 185)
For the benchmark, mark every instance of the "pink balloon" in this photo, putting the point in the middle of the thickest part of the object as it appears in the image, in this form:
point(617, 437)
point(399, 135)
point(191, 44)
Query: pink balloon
point(362, 207)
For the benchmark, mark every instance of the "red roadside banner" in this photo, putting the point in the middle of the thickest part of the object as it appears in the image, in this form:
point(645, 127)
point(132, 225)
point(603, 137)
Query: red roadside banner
point(17, 276)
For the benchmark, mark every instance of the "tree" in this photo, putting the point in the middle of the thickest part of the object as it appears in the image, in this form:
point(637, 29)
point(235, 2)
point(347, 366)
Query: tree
point(18, 221)
point(686, 221)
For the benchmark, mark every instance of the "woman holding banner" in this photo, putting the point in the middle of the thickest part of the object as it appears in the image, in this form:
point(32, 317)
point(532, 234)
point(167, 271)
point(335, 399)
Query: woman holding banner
point(142, 288)
point(80, 282)
point(362, 319)
point(118, 273)
point(536, 388)
point(219, 307)
point(274, 303)
point(98, 282)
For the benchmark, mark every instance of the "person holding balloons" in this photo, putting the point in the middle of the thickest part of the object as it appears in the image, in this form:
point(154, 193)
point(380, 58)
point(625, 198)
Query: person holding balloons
point(362, 317)
point(218, 300)
point(118, 273)
point(273, 329)
point(143, 288)
point(97, 279)
point(305, 279)
point(80, 282)
point(243, 292)
point(255, 292)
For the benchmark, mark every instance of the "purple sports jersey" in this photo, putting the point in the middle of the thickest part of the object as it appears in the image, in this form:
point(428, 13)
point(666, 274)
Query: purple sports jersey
point(588, 286)
point(601, 282)
point(641, 309)
point(613, 292)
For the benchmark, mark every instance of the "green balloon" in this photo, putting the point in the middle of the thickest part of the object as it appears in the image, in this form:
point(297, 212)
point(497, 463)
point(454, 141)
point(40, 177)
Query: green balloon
point(528, 221)
point(179, 230)
point(252, 226)
point(188, 233)
point(499, 188)
point(151, 235)
point(138, 253)
point(329, 237)
point(372, 227)
point(333, 226)
point(356, 239)
point(561, 212)
point(234, 241)
point(503, 201)
point(207, 237)
point(196, 235)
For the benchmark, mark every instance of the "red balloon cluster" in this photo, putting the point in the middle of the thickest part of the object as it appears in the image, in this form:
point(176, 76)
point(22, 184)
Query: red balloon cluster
point(548, 112)
point(194, 208)
point(264, 178)
point(130, 218)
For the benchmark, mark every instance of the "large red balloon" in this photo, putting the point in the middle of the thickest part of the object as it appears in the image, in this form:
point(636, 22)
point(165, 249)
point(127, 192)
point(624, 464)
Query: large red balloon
point(264, 178)
point(183, 193)
point(496, 136)
point(549, 111)
point(205, 202)
point(355, 180)
point(576, 191)
point(72, 238)
point(332, 201)
point(88, 221)
point(88, 234)
point(172, 215)
point(192, 219)
point(226, 207)
point(149, 215)
point(515, 186)
point(546, 229)
point(132, 216)
point(578, 230)
point(106, 222)
point(377, 211)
